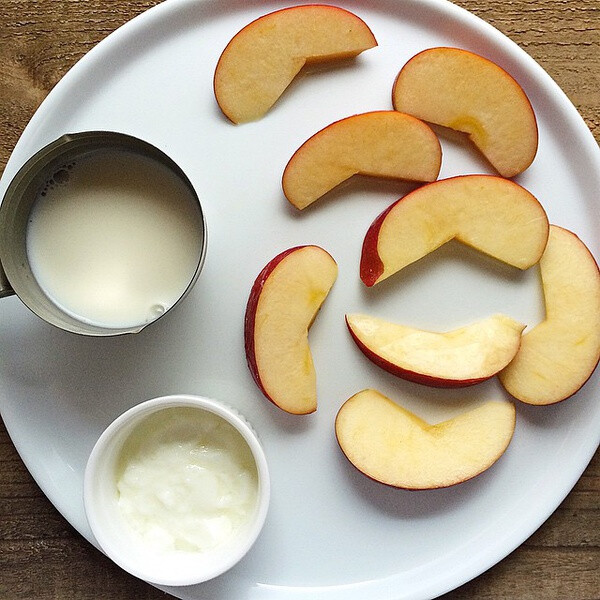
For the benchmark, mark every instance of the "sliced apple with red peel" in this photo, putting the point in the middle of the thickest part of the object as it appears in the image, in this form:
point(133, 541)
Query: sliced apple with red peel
point(283, 303)
point(263, 58)
point(466, 92)
point(560, 354)
point(392, 445)
point(457, 358)
point(385, 144)
point(491, 214)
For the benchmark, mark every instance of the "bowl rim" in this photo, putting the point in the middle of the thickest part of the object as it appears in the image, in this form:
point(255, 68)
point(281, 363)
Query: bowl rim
point(136, 414)
point(20, 196)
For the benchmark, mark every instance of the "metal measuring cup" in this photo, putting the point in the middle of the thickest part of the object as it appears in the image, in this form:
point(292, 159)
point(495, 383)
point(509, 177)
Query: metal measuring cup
point(16, 276)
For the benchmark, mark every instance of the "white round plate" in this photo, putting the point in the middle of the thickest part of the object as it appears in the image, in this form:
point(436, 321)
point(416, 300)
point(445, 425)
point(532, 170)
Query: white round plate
point(331, 533)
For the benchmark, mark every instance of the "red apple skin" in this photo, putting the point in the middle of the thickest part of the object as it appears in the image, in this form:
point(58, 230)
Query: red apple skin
point(316, 5)
point(598, 361)
point(407, 489)
point(289, 8)
point(420, 378)
point(250, 316)
point(371, 266)
point(579, 385)
point(509, 76)
point(506, 73)
point(363, 115)
point(571, 394)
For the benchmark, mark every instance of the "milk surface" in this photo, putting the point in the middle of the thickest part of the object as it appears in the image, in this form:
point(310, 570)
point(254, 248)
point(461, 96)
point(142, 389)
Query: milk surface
point(113, 239)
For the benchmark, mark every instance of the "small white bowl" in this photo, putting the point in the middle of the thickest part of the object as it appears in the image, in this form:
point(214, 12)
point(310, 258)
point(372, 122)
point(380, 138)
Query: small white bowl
point(126, 547)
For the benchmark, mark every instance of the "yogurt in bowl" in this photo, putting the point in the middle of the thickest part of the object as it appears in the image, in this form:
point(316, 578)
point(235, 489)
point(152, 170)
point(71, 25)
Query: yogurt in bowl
point(176, 489)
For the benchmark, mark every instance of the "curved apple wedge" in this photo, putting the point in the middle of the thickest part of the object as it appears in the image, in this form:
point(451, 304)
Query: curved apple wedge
point(458, 358)
point(385, 144)
point(491, 214)
point(263, 58)
point(283, 303)
point(391, 445)
point(466, 92)
point(560, 354)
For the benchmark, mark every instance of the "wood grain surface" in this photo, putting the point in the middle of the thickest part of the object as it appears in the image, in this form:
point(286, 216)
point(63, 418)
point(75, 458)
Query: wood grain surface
point(41, 556)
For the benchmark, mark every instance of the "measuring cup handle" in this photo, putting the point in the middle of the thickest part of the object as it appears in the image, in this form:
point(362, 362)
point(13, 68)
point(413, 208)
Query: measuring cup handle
point(5, 287)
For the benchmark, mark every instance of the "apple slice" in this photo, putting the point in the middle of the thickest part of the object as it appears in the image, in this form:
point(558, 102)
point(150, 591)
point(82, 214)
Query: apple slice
point(457, 358)
point(283, 303)
point(491, 214)
point(559, 355)
point(380, 144)
point(264, 57)
point(391, 445)
point(469, 93)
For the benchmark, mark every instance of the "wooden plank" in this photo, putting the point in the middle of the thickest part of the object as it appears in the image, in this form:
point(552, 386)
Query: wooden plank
point(41, 556)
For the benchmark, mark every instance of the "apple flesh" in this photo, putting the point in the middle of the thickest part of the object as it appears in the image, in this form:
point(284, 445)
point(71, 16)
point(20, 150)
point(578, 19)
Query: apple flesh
point(466, 92)
point(491, 214)
point(385, 144)
point(457, 358)
point(560, 354)
point(392, 445)
point(263, 58)
point(283, 304)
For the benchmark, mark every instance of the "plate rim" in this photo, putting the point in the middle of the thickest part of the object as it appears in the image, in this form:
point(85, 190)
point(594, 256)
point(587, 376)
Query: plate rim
point(587, 448)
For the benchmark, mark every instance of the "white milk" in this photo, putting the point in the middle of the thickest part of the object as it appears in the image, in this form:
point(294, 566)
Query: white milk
point(186, 481)
point(113, 239)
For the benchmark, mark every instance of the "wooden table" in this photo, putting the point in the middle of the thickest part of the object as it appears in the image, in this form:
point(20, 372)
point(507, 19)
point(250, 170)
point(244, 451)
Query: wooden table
point(41, 556)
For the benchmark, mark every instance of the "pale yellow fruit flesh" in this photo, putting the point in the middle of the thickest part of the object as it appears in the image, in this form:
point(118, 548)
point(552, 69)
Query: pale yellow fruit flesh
point(380, 144)
point(466, 92)
point(558, 356)
point(263, 58)
point(394, 446)
point(476, 351)
point(288, 304)
point(491, 214)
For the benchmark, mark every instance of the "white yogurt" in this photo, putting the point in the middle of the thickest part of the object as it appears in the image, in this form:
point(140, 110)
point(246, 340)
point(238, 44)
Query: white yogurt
point(113, 239)
point(187, 481)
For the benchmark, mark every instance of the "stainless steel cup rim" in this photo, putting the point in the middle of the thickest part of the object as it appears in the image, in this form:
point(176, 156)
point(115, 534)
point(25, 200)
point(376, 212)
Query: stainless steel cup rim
point(15, 274)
